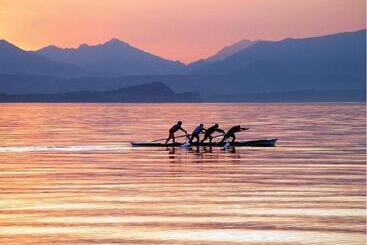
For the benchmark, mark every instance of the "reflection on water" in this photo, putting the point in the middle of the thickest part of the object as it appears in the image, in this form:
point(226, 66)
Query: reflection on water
point(69, 176)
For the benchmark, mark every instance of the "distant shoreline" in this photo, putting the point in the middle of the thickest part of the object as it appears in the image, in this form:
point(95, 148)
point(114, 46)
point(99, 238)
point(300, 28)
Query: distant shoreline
point(183, 102)
point(159, 93)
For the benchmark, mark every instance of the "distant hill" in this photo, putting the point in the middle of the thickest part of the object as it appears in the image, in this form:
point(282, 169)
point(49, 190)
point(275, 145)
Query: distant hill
point(113, 58)
point(338, 53)
point(335, 61)
point(230, 50)
point(212, 88)
point(151, 92)
point(223, 53)
point(15, 60)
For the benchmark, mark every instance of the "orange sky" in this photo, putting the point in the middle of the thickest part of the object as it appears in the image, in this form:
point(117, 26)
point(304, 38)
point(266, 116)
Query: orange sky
point(176, 29)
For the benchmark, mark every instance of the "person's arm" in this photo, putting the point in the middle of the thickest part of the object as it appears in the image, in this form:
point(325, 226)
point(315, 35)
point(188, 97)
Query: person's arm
point(183, 130)
point(220, 131)
point(203, 130)
point(243, 129)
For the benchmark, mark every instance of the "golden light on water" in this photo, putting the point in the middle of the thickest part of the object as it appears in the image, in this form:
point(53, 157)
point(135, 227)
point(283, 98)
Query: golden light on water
point(79, 182)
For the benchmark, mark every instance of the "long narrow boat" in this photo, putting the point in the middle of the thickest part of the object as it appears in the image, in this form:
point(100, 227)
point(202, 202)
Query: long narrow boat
point(253, 143)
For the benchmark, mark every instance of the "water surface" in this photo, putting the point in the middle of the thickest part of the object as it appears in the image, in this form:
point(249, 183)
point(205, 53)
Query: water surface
point(69, 176)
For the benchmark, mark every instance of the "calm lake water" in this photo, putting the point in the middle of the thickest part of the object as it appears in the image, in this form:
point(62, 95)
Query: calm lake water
point(69, 176)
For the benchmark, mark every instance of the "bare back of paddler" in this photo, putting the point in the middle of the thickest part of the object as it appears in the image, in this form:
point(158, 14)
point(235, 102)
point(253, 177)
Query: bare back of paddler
point(195, 134)
point(210, 131)
point(231, 133)
point(173, 130)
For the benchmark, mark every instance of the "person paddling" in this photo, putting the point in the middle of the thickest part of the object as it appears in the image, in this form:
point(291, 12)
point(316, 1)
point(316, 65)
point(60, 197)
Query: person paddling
point(173, 130)
point(195, 134)
point(210, 131)
point(231, 133)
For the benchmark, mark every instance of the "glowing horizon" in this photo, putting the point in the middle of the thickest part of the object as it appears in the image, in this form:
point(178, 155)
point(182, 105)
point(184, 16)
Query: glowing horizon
point(175, 30)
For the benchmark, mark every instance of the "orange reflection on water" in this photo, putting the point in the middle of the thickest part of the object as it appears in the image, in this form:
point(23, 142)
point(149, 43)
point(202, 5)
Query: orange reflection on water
point(69, 176)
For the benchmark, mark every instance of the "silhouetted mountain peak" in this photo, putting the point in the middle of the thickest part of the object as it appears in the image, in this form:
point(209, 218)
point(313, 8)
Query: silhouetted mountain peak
point(113, 58)
point(115, 40)
point(330, 55)
point(51, 48)
point(83, 45)
point(4, 42)
point(112, 43)
point(15, 60)
point(6, 45)
point(231, 49)
point(115, 43)
point(240, 43)
point(289, 39)
point(331, 35)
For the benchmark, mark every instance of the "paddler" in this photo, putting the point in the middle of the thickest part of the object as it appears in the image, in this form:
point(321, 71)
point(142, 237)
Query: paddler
point(173, 130)
point(231, 133)
point(210, 131)
point(195, 134)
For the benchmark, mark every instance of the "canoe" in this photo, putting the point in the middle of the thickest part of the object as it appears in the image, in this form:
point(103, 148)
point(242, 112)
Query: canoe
point(253, 143)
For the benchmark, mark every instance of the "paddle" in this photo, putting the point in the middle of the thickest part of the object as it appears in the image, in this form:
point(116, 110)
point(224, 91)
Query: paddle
point(166, 138)
point(219, 135)
point(188, 144)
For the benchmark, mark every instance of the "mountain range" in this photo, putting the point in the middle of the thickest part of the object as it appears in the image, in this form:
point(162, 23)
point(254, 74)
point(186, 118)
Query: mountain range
point(334, 62)
point(113, 58)
point(15, 60)
point(222, 54)
point(327, 54)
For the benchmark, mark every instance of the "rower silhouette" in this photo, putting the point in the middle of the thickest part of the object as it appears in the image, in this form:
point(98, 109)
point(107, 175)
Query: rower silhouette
point(231, 133)
point(173, 130)
point(210, 131)
point(195, 134)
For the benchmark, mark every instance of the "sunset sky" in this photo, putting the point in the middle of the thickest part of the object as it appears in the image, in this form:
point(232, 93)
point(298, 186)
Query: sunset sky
point(183, 30)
